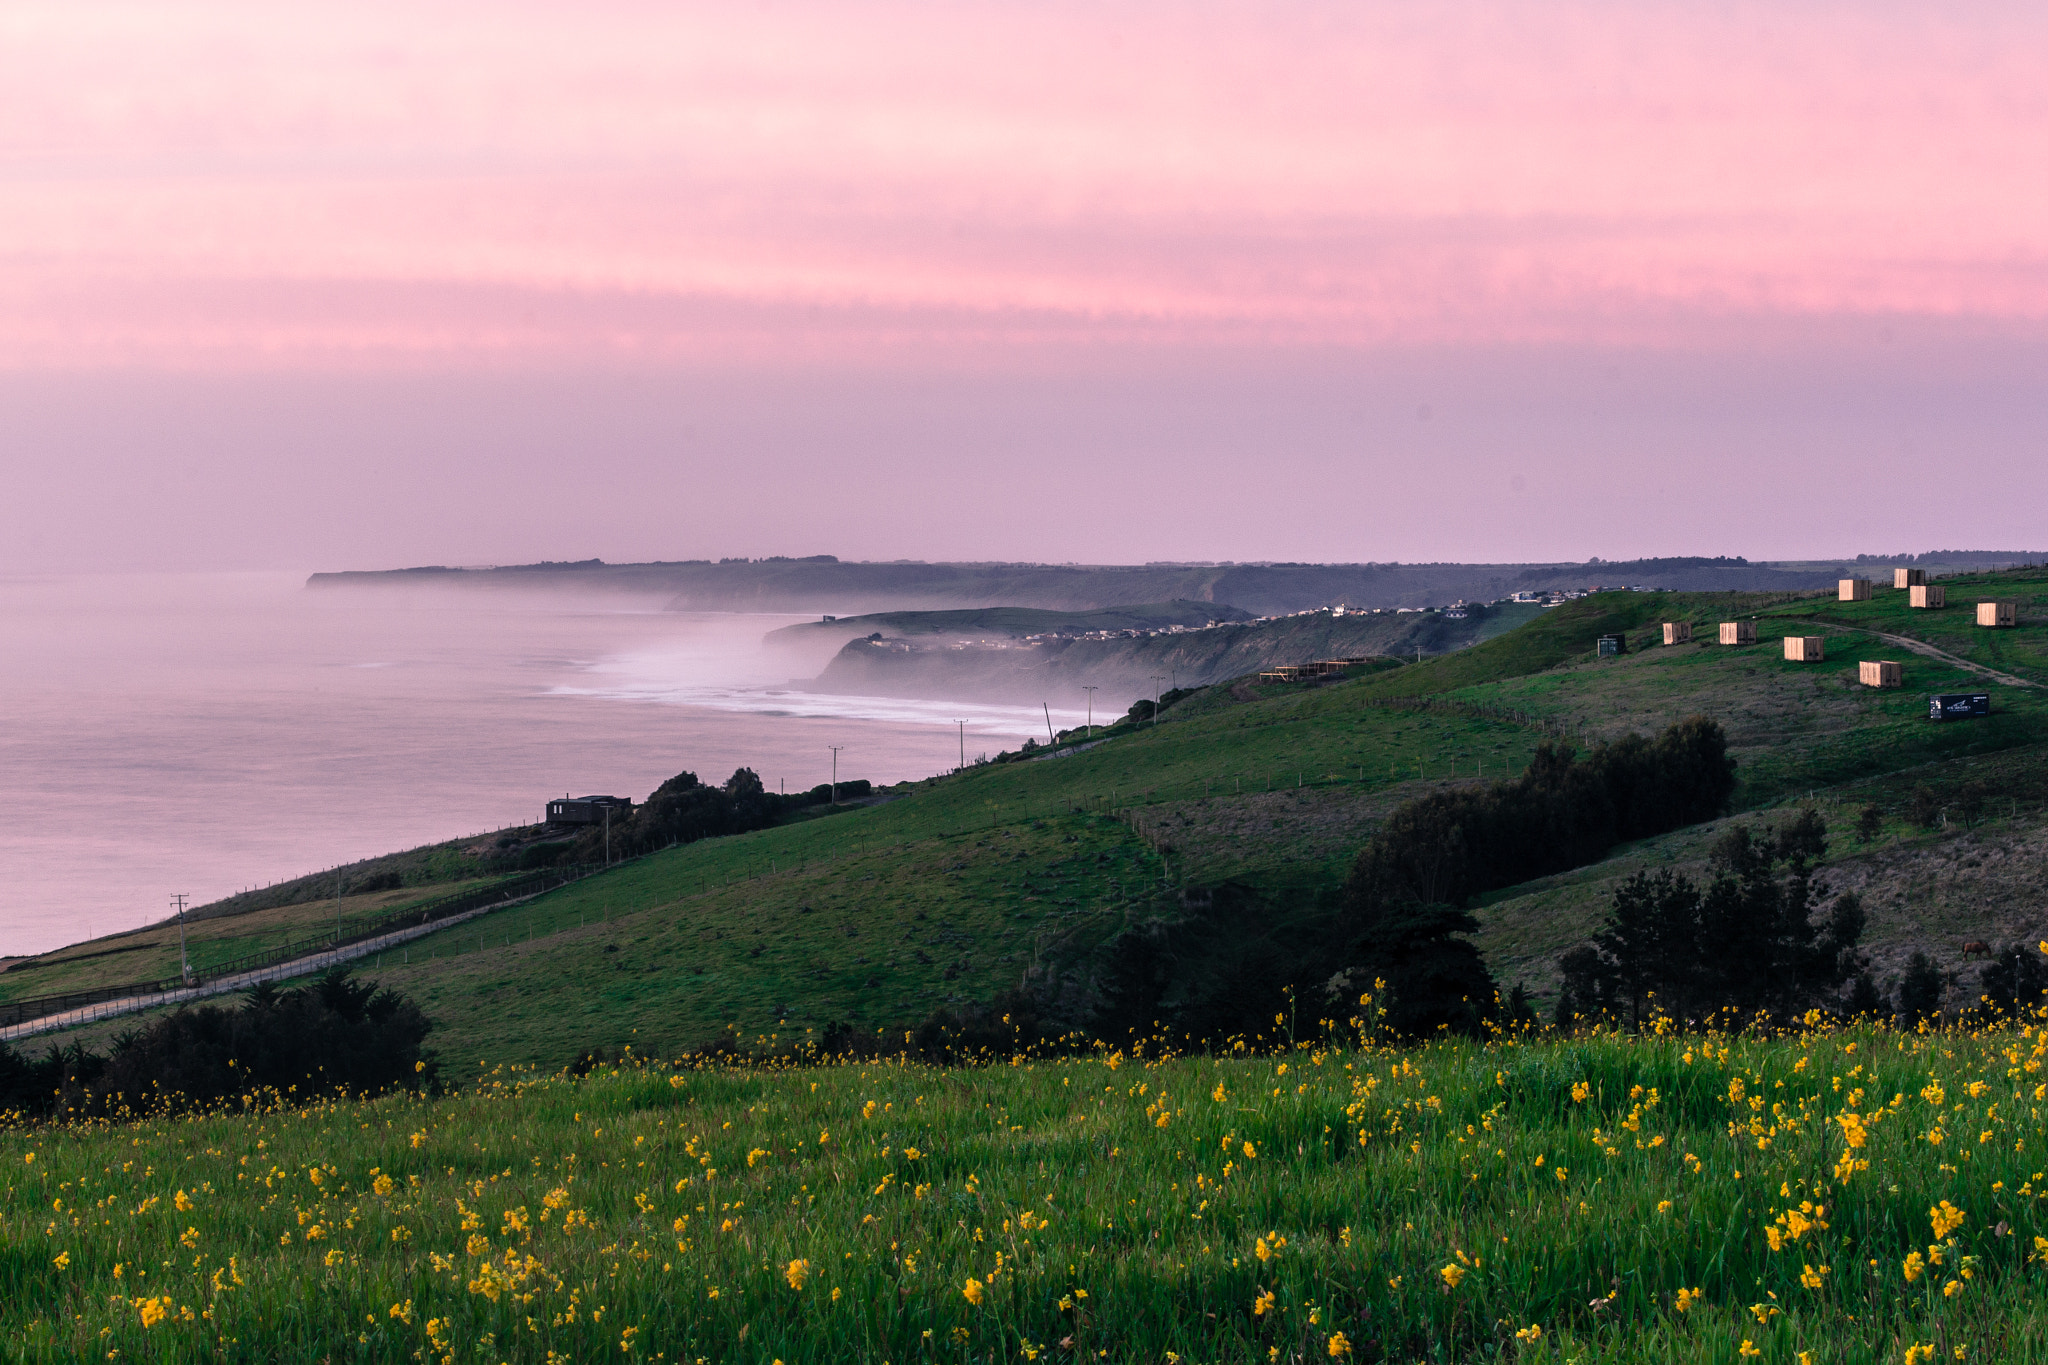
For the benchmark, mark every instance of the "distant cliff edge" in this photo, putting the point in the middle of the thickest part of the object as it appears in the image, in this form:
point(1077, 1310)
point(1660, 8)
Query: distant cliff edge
point(824, 584)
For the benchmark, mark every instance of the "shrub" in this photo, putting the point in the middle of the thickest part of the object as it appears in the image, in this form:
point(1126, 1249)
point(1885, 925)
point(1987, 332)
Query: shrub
point(334, 1035)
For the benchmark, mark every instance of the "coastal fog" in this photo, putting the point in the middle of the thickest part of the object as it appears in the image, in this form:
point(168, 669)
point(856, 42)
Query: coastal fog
point(204, 733)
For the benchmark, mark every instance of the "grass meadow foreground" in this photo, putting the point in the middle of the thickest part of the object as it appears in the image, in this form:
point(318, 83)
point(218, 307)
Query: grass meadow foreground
point(1860, 1195)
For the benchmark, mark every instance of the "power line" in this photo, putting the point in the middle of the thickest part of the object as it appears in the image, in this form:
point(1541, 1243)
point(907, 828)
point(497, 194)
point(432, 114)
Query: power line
point(184, 961)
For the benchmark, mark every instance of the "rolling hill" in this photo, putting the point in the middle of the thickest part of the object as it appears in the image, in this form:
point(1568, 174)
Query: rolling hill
point(1019, 873)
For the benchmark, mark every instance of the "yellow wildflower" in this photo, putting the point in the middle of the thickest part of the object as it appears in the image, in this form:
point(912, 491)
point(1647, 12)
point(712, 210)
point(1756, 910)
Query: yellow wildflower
point(972, 1291)
point(796, 1272)
point(1452, 1274)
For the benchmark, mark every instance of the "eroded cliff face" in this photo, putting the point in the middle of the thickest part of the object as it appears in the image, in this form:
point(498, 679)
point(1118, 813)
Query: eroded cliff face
point(1028, 672)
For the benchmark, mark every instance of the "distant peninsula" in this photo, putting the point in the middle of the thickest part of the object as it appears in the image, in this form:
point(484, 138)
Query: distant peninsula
point(827, 585)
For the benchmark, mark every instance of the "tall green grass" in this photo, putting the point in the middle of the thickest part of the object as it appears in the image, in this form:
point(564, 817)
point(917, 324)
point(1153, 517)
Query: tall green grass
point(1553, 1200)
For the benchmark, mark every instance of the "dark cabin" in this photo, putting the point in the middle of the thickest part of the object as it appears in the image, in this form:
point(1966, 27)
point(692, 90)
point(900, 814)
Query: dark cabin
point(586, 810)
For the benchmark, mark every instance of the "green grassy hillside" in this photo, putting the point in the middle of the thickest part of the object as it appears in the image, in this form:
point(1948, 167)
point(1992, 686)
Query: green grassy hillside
point(151, 953)
point(960, 887)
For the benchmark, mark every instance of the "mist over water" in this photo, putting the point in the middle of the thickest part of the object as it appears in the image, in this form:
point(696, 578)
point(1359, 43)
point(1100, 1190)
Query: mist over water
point(205, 733)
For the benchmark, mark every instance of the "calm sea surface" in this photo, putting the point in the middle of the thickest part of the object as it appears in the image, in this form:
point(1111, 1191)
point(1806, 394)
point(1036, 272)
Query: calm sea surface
point(203, 734)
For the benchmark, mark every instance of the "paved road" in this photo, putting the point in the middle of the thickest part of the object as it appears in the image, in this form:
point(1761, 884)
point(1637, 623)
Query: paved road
point(241, 981)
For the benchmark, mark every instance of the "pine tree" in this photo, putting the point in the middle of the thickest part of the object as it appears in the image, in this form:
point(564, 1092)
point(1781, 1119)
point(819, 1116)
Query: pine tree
point(1921, 989)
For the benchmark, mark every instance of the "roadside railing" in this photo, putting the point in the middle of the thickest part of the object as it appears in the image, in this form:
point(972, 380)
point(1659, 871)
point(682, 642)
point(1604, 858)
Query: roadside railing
point(14, 1012)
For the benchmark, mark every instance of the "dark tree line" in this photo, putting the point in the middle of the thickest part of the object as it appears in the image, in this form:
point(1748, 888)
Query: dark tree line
point(1403, 913)
point(2013, 985)
point(1401, 917)
point(1761, 937)
point(683, 810)
point(335, 1034)
point(1564, 811)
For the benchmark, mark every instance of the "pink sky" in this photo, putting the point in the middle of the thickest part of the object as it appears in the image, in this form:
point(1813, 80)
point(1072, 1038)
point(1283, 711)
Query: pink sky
point(1117, 246)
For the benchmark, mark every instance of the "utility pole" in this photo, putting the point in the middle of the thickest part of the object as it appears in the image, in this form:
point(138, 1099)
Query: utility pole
point(835, 748)
point(963, 746)
point(184, 962)
point(1157, 678)
point(337, 907)
point(1089, 688)
point(607, 836)
point(1049, 740)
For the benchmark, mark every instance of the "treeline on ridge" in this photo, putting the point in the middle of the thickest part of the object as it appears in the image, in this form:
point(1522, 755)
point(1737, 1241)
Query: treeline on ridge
point(683, 810)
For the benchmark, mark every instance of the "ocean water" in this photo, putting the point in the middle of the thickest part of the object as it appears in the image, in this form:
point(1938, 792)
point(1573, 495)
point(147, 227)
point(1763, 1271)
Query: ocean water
point(207, 733)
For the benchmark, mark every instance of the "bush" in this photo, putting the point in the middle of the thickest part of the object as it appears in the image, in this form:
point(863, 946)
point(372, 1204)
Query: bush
point(334, 1035)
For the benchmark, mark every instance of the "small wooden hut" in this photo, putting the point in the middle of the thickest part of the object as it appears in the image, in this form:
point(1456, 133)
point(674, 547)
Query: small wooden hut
point(1880, 673)
point(1908, 578)
point(1998, 613)
point(1677, 632)
point(1738, 632)
point(1804, 649)
point(1852, 590)
point(1927, 595)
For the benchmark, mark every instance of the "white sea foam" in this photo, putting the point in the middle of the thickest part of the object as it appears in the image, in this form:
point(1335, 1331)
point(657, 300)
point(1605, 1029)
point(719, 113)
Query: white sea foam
point(201, 734)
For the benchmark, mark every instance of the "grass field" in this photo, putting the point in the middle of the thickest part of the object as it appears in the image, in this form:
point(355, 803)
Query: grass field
point(1859, 1197)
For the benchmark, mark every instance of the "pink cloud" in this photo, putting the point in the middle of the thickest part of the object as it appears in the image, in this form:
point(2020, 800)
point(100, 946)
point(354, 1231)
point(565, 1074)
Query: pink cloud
point(226, 185)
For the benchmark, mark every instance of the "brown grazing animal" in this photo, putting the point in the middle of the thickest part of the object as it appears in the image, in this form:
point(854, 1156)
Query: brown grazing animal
point(1974, 948)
